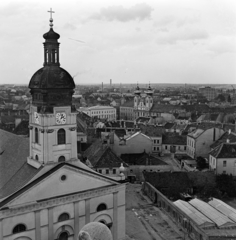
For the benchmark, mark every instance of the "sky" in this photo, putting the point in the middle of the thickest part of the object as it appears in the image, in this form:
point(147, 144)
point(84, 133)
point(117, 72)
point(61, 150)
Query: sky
point(128, 41)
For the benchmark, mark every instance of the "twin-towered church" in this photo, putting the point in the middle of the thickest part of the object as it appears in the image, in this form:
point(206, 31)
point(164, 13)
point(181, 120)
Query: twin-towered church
point(52, 195)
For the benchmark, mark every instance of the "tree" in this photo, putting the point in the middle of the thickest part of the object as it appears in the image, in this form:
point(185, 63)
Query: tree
point(201, 163)
point(226, 185)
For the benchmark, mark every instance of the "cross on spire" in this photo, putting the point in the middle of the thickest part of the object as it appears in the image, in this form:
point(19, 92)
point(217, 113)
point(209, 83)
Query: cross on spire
point(51, 12)
point(51, 20)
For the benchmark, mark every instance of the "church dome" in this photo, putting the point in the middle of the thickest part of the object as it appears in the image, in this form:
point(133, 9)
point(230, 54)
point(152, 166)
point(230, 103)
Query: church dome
point(51, 35)
point(50, 77)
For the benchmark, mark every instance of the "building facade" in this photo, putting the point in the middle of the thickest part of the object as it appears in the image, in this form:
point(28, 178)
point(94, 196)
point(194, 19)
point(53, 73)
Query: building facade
point(101, 112)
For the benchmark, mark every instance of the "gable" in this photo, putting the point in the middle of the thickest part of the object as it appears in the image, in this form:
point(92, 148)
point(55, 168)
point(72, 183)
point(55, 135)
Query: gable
point(53, 185)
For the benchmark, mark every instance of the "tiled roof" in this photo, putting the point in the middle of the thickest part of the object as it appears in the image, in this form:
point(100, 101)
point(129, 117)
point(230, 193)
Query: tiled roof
point(169, 125)
point(129, 103)
point(141, 159)
point(108, 159)
point(22, 128)
point(203, 108)
point(174, 138)
point(120, 132)
point(164, 108)
point(14, 171)
point(223, 139)
point(224, 150)
point(151, 131)
point(101, 156)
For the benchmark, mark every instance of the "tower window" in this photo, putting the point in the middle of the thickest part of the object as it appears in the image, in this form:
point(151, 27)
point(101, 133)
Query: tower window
point(61, 159)
point(101, 207)
point(64, 236)
point(63, 217)
point(19, 228)
point(36, 135)
point(61, 136)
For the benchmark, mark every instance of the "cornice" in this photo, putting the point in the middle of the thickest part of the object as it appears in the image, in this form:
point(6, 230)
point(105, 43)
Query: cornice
point(43, 204)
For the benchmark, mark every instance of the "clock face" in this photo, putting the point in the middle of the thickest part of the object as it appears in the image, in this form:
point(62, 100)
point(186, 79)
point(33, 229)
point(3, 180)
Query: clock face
point(60, 118)
point(36, 117)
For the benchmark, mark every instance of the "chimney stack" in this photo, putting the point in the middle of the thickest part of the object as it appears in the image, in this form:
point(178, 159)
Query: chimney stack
point(229, 131)
point(102, 86)
point(110, 82)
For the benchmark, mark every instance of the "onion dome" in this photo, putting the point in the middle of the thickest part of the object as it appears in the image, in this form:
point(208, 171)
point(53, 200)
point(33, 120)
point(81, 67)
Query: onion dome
point(51, 85)
point(149, 90)
point(137, 90)
point(51, 35)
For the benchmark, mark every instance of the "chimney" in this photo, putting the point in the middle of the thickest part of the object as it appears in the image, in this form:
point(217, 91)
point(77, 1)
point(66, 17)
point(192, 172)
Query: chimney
point(229, 131)
point(110, 82)
point(227, 140)
point(102, 86)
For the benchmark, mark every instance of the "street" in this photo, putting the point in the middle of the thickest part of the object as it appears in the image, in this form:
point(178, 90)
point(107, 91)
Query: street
point(144, 221)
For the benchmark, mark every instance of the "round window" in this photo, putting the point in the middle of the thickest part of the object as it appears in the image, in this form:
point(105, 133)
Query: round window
point(63, 177)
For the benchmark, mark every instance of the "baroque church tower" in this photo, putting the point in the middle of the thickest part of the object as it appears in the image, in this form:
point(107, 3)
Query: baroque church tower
point(52, 118)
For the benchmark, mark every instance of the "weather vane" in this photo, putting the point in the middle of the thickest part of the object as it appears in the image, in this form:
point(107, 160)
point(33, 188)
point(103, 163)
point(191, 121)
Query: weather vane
point(51, 20)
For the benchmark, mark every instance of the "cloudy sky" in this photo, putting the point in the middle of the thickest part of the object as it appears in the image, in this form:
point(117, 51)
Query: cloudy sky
point(128, 41)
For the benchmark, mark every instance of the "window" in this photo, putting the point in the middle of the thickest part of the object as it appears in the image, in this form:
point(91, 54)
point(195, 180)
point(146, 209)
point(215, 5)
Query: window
point(224, 163)
point(100, 170)
point(114, 171)
point(107, 171)
point(64, 236)
point(36, 157)
point(19, 228)
point(61, 136)
point(101, 207)
point(165, 147)
point(61, 159)
point(36, 135)
point(63, 217)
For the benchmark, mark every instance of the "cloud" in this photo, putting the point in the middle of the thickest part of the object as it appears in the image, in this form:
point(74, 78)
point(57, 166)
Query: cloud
point(70, 26)
point(140, 11)
point(222, 44)
point(185, 34)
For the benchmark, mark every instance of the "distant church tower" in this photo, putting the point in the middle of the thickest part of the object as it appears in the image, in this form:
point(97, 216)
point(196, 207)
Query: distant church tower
point(137, 97)
point(52, 118)
point(149, 98)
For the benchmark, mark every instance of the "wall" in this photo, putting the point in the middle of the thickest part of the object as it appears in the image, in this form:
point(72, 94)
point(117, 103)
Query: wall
point(175, 213)
point(204, 141)
point(43, 223)
point(136, 144)
point(230, 167)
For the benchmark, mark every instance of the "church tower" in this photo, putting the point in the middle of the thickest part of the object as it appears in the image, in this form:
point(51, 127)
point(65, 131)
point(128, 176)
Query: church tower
point(52, 117)
point(149, 98)
point(137, 96)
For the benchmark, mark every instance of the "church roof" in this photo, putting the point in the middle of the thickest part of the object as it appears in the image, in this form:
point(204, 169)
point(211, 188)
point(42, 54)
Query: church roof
point(51, 77)
point(14, 172)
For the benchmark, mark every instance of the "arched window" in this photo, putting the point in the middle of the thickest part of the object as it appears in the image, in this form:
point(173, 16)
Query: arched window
point(19, 228)
point(63, 217)
point(61, 136)
point(61, 159)
point(63, 236)
point(101, 207)
point(36, 135)
point(36, 157)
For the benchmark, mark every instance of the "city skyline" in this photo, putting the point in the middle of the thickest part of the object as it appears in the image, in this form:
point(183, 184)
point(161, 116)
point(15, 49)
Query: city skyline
point(134, 41)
